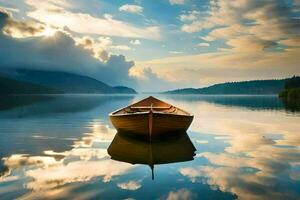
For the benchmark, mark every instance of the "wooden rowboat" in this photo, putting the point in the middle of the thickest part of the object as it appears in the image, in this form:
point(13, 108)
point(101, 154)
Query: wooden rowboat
point(151, 117)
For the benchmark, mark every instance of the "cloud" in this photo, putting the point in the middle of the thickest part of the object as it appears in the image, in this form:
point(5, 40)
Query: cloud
point(149, 81)
point(196, 26)
point(21, 29)
point(121, 47)
point(210, 68)
point(177, 2)
point(135, 42)
point(268, 19)
point(131, 8)
point(51, 177)
point(252, 43)
point(246, 185)
point(203, 44)
point(15, 10)
point(181, 194)
point(191, 16)
point(46, 174)
point(130, 185)
point(202, 141)
point(175, 52)
point(257, 151)
point(98, 46)
point(46, 12)
point(60, 53)
point(291, 42)
point(207, 38)
point(256, 40)
point(226, 171)
point(17, 160)
point(226, 32)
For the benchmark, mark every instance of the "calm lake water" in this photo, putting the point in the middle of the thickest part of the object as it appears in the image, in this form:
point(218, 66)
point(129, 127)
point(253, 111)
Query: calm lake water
point(55, 147)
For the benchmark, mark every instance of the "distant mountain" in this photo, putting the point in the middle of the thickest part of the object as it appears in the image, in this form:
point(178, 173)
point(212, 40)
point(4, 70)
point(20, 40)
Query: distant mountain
point(62, 82)
point(11, 86)
point(244, 87)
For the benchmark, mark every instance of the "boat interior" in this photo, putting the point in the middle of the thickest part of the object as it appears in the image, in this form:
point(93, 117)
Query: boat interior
point(151, 103)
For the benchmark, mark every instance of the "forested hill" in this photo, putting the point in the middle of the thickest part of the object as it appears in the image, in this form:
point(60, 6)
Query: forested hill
point(35, 81)
point(11, 86)
point(244, 87)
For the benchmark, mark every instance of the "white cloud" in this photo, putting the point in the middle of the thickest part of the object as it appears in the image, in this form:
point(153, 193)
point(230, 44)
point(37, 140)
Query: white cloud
point(249, 44)
point(55, 15)
point(178, 2)
point(248, 33)
point(175, 52)
point(203, 44)
point(181, 194)
point(45, 173)
point(121, 47)
point(130, 185)
point(24, 29)
point(202, 141)
point(135, 42)
point(231, 65)
point(3, 8)
point(98, 46)
point(150, 81)
point(191, 16)
point(131, 8)
point(270, 20)
point(248, 146)
point(62, 53)
point(207, 38)
point(105, 41)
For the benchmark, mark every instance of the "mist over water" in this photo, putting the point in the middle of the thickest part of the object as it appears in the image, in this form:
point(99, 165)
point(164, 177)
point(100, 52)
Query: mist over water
point(56, 147)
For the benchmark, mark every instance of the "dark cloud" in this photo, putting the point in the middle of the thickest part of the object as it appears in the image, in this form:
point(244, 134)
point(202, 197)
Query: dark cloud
point(3, 17)
point(59, 53)
point(19, 28)
point(22, 28)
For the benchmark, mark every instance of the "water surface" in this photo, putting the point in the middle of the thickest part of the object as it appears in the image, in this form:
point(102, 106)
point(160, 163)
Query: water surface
point(55, 147)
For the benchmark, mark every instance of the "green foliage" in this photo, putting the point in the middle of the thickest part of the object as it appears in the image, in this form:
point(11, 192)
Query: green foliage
point(294, 94)
point(283, 93)
point(292, 89)
point(291, 99)
point(290, 96)
point(293, 82)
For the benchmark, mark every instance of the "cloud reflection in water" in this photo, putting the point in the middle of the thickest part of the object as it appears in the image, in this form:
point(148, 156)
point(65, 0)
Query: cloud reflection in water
point(85, 161)
point(261, 159)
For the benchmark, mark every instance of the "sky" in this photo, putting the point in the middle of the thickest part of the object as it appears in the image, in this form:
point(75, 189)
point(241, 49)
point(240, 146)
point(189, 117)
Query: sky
point(154, 45)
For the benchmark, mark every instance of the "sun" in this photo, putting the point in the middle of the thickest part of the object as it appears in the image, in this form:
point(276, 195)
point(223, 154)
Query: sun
point(49, 32)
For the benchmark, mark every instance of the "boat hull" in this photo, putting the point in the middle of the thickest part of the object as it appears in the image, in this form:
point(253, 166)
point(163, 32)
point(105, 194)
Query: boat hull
point(151, 124)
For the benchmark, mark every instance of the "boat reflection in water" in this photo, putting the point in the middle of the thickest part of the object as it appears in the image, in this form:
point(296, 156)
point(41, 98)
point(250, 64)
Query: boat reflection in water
point(126, 148)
